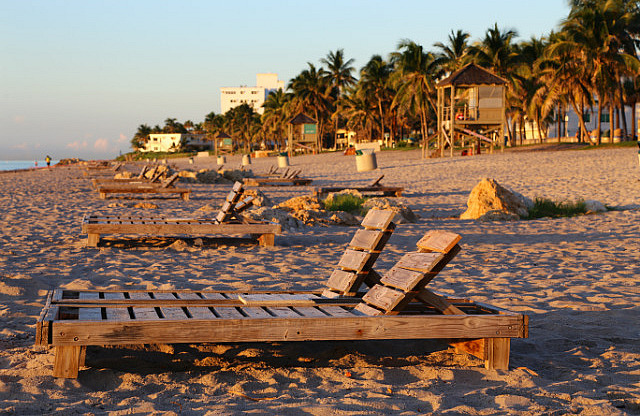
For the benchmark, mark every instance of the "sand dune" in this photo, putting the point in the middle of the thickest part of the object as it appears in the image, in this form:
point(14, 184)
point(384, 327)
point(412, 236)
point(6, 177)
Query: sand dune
point(577, 278)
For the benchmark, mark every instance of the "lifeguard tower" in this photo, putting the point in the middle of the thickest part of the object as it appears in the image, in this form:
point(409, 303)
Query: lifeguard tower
point(223, 144)
point(471, 109)
point(303, 134)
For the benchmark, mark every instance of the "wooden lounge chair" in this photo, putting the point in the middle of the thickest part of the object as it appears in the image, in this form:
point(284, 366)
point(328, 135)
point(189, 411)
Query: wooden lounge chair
point(165, 187)
point(287, 178)
point(228, 221)
point(374, 189)
point(154, 176)
point(74, 319)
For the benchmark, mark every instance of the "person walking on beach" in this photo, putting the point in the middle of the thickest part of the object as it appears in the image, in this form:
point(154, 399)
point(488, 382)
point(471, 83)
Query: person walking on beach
point(48, 160)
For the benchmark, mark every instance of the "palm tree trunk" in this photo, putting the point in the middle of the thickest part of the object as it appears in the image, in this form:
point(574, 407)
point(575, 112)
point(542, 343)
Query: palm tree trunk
point(599, 125)
point(634, 129)
point(612, 125)
point(624, 122)
point(579, 112)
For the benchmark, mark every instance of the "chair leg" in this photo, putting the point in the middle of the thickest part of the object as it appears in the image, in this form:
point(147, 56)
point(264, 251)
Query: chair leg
point(497, 357)
point(267, 239)
point(67, 361)
point(93, 239)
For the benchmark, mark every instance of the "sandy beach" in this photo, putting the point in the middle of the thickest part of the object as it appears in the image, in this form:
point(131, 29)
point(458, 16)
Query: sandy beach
point(577, 279)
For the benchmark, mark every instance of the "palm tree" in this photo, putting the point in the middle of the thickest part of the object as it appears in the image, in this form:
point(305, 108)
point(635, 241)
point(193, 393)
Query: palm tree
point(631, 97)
point(356, 108)
point(311, 90)
point(374, 82)
point(339, 73)
point(275, 117)
point(454, 53)
point(140, 138)
point(416, 72)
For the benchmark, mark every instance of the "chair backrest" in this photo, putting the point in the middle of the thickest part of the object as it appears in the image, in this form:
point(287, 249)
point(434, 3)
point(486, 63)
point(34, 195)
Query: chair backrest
point(228, 206)
point(402, 283)
point(169, 182)
point(143, 171)
point(362, 252)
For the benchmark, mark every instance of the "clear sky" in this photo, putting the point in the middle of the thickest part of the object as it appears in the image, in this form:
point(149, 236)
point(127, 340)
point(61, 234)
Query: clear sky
point(77, 77)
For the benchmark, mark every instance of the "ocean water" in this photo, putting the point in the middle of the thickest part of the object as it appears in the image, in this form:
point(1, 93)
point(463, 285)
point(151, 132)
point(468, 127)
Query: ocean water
point(23, 164)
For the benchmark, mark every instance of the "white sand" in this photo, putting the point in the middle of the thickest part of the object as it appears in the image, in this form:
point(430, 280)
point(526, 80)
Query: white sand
point(577, 278)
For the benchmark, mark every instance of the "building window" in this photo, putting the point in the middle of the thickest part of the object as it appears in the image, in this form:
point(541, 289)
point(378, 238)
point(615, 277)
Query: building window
point(604, 117)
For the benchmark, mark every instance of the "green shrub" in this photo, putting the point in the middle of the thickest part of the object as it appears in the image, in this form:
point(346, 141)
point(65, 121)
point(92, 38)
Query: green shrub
point(345, 202)
point(543, 207)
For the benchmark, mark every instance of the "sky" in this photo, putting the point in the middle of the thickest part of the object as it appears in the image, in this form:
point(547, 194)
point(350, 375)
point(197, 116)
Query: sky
point(77, 77)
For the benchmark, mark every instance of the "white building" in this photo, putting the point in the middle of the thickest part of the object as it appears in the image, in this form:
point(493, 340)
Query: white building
point(231, 97)
point(171, 142)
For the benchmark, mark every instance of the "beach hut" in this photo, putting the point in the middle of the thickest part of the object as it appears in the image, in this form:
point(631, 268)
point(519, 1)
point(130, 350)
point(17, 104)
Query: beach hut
point(303, 134)
point(471, 109)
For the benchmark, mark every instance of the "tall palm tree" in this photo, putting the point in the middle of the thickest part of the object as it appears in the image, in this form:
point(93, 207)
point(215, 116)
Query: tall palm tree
point(311, 90)
point(374, 82)
point(455, 53)
point(416, 72)
point(339, 73)
point(141, 136)
point(276, 115)
point(356, 108)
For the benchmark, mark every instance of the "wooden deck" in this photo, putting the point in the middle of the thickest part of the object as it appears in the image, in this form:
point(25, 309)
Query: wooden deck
point(74, 319)
point(276, 181)
point(96, 225)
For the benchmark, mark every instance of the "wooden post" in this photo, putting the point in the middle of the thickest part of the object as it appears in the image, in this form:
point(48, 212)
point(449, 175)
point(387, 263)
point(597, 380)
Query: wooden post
point(93, 239)
point(267, 240)
point(497, 350)
point(67, 361)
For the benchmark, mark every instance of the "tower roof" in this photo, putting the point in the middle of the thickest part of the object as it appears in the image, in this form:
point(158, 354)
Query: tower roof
point(472, 74)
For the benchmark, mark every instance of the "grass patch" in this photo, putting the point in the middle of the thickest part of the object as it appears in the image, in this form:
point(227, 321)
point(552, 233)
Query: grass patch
point(345, 202)
point(543, 207)
point(155, 155)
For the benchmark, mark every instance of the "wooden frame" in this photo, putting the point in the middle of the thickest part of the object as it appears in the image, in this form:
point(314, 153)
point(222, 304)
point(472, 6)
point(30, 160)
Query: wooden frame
point(74, 319)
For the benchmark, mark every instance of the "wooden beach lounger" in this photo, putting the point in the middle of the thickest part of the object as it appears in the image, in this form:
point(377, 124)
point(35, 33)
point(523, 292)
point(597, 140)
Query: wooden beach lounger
point(154, 177)
point(165, 187)
point(227, 222)
point(370, 190)
point(288, 178)
point(74, 319)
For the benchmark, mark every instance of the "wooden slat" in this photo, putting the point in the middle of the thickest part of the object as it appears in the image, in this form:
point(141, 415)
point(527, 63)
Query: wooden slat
point(214, 296)
point(283, 312)
point(201, 313)
point(163, 295)
point(117, 314)
point(88, 295)
point(438, 302)
point(383, 297)
point(336, 311)
point(188, 296)
point(114, 295)
point(173, 313)
point(287, 329)
point(368, 310)
point(89, 314)
point(403, 279)
point(354, 260)
point(310, 312)
point(438, 240)
point(139, 296)
point(255, 312)
point(378, 219)
point(228, 312)
point(341, 280)
point(366, 239)
point(422, 262)
point(145, 313)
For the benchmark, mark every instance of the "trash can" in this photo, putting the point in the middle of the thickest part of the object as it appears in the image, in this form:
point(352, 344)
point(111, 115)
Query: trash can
point(221, 160)
point(191, 161)
point(617, 136)
point(365, 160)
point(246, 160)
point(283, 160)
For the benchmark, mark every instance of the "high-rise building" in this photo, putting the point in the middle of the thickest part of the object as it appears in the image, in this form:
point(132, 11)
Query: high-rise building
point(231, 97)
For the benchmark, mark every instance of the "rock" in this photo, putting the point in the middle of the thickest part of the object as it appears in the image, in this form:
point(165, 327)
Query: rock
point(145, 205)
point(236, 175)
point(403, 214)
point(259, 198)
point(489, 195)
point(207, 176)
point(274, 215)
point(178, 245)
point(207, 208)
point(198, 242)
point(594, 206)
point(187, 176)
point(123, 175)
point(497, 215)
point(301, 203)
point(344, 218)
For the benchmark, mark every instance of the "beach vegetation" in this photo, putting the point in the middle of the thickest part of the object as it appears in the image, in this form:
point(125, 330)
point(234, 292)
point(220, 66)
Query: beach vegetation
point(544, 207)
point(345, 202)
